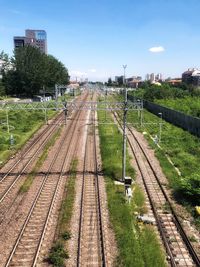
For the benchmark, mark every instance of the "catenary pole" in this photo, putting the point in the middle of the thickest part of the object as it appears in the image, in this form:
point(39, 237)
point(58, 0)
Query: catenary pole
point(124, 128)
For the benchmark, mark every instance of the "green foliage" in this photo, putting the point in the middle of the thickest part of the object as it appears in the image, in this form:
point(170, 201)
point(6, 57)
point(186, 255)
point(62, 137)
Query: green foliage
point(183, 149)
point(6, 62)
point(22, 127)
point(58, 255)
point(66, 235)
point(2, 88)
point(164, 91)
point(131, 240)
point(109, 83)
point(191, 186)
point(152, 255)
point(189, 105)
point(139, 200)
point(159, 93)
point(67, 204)
point(32, 71)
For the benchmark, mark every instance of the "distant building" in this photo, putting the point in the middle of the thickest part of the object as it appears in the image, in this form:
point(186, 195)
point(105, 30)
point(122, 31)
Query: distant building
point(36, 38)
point(192, 77)
point(134, 81)
point(159, 77)
point(19, 41)
point(152, 77)
point(147, 77)
point(174, 81)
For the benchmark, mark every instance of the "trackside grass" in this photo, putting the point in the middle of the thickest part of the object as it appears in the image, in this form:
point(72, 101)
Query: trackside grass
point(188, 105)
point(137, 244)
point(22, 125)
point(59, 253)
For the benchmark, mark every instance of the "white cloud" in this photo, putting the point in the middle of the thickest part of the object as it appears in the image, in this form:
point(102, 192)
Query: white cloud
point(77, 73)
point(92, 70)
point(157, 49)
point(16, 12)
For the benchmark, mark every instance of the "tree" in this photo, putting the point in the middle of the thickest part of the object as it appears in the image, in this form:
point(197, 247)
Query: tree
point(120, 80)
point(6, 62)
point(109, 82)
point(32, 71)
point(2, 89)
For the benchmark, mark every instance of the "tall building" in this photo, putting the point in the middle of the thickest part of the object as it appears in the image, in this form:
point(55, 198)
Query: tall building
point(147, 77)
point(19, 41)
point(152, 77)
point(36, 38)
point(159, 77)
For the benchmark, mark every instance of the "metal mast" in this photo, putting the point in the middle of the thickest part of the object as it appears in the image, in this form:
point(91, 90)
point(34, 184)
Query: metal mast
point(124, 128)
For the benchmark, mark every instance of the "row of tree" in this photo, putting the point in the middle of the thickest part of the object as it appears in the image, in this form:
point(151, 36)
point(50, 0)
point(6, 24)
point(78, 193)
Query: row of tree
point(151, 92)
point(29, 71)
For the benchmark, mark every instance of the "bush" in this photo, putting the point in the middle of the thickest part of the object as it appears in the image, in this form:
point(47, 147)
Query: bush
point(191, 187)
point(58, 255)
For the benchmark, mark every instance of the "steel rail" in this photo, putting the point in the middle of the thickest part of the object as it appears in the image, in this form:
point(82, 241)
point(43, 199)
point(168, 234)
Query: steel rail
point(31, 145)
point(176, 220)
point(38, 195)
point(15, 180)
point(99, 201)
point(103, 258)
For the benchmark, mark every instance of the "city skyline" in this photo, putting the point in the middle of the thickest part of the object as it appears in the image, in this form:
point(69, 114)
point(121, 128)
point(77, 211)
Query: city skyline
point(94, 39)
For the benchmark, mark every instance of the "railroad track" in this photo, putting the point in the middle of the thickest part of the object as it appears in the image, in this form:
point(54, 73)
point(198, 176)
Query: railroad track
point(27, 248)
point(13, 176)
point(91, 250)
point(10, 181)
point(177, 244)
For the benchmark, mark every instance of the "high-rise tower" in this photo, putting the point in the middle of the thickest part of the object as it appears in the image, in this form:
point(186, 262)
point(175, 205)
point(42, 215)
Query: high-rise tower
point(36, 38)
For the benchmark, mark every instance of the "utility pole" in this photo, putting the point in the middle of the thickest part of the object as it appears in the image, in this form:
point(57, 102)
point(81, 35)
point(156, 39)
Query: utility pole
point(106, 92)
point(160, 126)
point(124, 128)
point(7, 121)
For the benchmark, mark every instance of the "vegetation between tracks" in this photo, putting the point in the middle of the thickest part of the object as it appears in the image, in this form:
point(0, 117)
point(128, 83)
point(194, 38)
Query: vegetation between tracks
point(22, 126)
point(58, 253)
point(137, 244)
point(29, 180)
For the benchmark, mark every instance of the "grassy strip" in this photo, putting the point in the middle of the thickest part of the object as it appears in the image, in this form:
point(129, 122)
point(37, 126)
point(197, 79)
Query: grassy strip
point(29, 180)
point(58, 253)
point(138, 245)
point(189, 105)
point(22, 126)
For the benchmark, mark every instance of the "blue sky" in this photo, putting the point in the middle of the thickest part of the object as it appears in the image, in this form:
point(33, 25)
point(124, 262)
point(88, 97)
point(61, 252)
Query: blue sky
point(94, 38)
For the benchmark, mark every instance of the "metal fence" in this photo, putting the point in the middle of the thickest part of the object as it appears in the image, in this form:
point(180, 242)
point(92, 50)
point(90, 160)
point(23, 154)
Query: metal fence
point(186, 122)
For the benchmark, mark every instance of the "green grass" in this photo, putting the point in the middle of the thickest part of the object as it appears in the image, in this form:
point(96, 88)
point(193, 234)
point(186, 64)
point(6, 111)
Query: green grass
point(188, 105)
point(23, 124)
point(137, 246)
point(68, 202)
point(59, 253)
point(29, 180)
